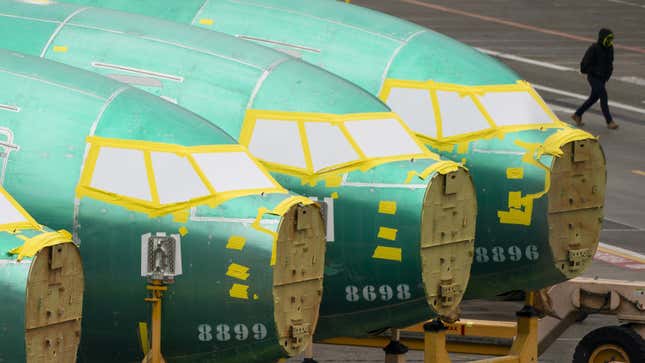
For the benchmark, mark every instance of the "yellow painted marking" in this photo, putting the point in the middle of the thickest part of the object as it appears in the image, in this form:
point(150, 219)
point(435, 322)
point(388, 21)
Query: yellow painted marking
point(387, 233)
point(638, 172)
point(514, 173)
point(236, 243)
point(387, 253)
point(206, 21)
point(238, 271)
point(143, 336)
point(60, 48)
point(22, 237)
point(183, 231)
point(239, 291)
point(387, 207)
point(256, 297)
point(334, 195)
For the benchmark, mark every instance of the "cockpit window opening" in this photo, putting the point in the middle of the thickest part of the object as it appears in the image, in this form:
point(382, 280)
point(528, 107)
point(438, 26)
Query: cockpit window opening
point(485, 108)
point(12, 215)
point(328, 142)
point(158, 178)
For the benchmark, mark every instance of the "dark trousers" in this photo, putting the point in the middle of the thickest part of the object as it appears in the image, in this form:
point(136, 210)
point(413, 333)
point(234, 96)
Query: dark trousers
point(598, 91)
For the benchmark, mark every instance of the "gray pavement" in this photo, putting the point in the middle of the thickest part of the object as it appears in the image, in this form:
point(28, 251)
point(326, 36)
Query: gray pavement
point(553, 32)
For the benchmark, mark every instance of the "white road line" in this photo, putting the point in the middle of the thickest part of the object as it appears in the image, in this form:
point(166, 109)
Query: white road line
point(635, 255)
point(627, 79)
point(584, 97)
point(561, 109)
point(627, 3)
point(526, 60)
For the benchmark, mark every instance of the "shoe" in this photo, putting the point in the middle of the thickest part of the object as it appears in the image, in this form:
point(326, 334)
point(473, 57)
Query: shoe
point(612, 125)
point(577, 119)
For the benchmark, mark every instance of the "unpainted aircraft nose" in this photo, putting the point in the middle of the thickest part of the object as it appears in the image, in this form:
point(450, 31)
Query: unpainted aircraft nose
point(576, 197)
point(298, 276)
point(447, 239)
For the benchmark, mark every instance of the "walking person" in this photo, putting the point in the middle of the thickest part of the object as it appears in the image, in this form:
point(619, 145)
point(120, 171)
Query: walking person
point(598, 64)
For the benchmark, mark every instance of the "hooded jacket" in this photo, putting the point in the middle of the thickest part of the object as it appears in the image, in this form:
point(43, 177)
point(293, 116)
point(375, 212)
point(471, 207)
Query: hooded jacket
point(598, 61)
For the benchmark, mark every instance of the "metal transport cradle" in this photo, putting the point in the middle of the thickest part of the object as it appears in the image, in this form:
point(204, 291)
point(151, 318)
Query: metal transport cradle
point(120, 168)
point(540, 183)
point(400, 222)
point(41, 289)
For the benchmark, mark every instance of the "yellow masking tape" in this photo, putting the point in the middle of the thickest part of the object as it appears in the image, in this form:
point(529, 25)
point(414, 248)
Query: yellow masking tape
point(206, 21)
point(279, 210)
point(236, 243)
point(514, 173)
point(333, 181)
point(238, 271)
point(387, 233)
point(441, 167)
point(183, 231)
point(35, 244)
point(181, 216)
point(334, 195)
point(239, 291)
point(60, 48)
point(387, 253)
point(387, 207)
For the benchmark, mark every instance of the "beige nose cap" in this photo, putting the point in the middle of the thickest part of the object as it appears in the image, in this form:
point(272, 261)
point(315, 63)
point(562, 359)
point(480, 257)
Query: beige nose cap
point(298, 276)
point(447, 239)
point(54, 304)
point(576, 199)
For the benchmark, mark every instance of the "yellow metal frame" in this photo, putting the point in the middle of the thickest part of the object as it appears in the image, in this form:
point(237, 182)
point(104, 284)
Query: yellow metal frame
point(308, 174)
point(446, 143)
point(154, 208)
point(28, 223)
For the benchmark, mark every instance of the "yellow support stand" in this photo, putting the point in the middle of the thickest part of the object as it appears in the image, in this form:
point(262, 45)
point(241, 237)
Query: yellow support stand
point(523, 350)
point(156, 293)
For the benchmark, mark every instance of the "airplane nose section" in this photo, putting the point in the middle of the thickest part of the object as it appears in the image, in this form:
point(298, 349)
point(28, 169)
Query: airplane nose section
point(298, 276)
point(447, 239)
point(576, 197)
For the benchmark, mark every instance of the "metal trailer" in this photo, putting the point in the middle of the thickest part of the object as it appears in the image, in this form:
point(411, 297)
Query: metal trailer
point(546, 315)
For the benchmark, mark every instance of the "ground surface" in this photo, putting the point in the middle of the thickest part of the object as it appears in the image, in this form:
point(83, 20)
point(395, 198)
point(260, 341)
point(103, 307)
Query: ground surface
point(544, 41)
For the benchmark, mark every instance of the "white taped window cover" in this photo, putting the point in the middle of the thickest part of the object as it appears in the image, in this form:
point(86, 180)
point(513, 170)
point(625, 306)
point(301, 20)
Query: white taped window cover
point(415, 108)
point(277, 141)
point(232, 171)
point(459, 114)
point(328, 145)
point(123, 172)
point(176, 178)
point(514, 108)
point(8, 213)
point(381, 138)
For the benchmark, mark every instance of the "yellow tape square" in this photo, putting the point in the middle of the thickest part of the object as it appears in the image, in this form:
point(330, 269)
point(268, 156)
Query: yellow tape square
point(239, 291)
point(206, 21)
point(387, 233)
point(334, 195)
point(387, 253)
point(60, 48)
point(236, 243)
point(514, 173)
point(387, 207)
point(183, 231)
point(238, 271)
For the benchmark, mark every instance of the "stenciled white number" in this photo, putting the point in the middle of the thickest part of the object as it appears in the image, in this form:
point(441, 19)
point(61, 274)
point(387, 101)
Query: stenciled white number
point(498, 254)
point(371, 293)
point(223, 332)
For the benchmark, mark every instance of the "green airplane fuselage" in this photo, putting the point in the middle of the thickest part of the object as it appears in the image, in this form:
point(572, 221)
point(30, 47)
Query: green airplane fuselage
point(396, 238)
point(118, 166)
point(538, 222)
